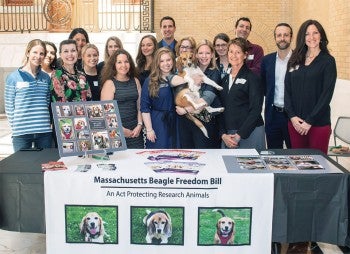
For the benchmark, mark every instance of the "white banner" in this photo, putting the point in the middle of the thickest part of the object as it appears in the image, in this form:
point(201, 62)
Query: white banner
point(132, 209)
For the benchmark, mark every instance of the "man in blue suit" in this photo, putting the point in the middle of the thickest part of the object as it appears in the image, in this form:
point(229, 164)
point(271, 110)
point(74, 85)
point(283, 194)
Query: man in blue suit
point(273, 71)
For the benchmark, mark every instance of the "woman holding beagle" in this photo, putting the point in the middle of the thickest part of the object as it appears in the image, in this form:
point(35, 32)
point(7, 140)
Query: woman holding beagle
point(190, 135)
point(242, 97)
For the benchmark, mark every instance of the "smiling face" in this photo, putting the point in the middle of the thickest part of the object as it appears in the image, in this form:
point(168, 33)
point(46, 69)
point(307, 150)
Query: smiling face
point(35, 56)
point(185, 46)
point(312, 37)
point(122, 65)
point(204, 55)
point(112, 46)
point(147, 47)
point(221, 47)
point(236, 56)
point(243, 29)
point(168, 29)
point(283, 37)
point(50, 55)
point(166, 64)
point(90, 57)
point(69, 54)
point(81, 41)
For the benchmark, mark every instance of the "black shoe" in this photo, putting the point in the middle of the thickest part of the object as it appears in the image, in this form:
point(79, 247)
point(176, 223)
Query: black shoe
point(276, 248)
point(315, 249)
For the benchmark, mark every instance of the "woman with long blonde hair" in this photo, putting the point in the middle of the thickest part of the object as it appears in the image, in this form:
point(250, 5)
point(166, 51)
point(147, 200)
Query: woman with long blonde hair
point(157, 102)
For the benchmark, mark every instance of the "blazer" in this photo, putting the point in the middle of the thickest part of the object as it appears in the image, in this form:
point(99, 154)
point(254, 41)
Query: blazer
point(243, 103)
point(268, 65)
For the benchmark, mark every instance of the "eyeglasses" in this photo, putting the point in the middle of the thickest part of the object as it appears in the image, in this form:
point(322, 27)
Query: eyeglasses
point(220, 45)
point(185, 47)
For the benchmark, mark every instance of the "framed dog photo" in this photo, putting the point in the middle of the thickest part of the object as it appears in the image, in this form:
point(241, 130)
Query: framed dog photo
point(225, 226)
point(91, 224)
point(88, 127)
point(157, 225)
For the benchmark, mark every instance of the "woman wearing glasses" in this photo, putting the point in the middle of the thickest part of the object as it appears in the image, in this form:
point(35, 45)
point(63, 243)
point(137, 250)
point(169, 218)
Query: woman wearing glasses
point(220, 42)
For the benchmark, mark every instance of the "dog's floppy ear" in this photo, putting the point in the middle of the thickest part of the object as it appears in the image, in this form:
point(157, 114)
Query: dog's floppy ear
point(82, 225)
point(179, 65)
point(168, 226)
point(150, 225)
point(102, 228)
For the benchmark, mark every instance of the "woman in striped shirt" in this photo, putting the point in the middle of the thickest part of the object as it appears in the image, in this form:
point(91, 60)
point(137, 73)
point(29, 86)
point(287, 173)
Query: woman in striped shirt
point(27, 99)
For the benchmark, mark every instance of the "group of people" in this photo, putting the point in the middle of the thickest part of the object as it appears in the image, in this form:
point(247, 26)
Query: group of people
point(297, 84)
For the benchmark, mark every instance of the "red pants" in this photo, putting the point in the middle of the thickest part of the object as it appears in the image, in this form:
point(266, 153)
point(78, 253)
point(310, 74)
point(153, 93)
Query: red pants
point(316, 138)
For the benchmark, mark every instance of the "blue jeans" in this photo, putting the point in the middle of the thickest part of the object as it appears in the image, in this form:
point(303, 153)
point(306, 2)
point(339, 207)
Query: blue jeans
point(40, 140)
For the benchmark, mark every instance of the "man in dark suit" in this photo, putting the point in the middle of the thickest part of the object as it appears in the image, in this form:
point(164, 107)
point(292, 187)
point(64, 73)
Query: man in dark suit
point(273, 71)
point(167, 28)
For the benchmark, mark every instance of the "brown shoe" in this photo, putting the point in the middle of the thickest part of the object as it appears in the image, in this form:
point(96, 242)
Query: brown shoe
point(298, 248)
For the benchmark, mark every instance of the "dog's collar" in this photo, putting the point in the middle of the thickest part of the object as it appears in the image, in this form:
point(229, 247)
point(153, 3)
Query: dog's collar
point(224, 238)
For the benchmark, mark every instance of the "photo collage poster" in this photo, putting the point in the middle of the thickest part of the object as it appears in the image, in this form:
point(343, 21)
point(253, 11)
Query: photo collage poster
point(91, 127)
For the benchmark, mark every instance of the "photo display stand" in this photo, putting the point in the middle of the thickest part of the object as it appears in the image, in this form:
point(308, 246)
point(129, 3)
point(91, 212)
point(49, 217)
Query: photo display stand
point(88, 128)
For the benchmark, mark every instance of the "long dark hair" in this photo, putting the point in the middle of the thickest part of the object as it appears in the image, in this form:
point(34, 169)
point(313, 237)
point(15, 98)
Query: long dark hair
point(79, 30)
point(53, 65)
point(109, 70)
point(299, 53)
point(141, 58)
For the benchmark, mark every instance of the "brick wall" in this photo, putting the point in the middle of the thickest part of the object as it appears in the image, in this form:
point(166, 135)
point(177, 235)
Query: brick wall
point(203, 19)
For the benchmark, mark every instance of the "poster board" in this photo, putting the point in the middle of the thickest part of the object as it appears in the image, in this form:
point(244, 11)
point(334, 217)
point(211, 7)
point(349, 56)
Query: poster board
point(127, 196)
point(91, 127)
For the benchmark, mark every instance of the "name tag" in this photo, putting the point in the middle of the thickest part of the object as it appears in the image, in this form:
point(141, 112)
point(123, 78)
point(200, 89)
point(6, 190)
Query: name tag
point(250, 57)
point(22, 84)
point(95, 83)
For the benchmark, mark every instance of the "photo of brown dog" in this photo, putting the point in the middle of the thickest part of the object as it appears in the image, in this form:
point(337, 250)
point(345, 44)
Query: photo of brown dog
point(92, 228)
point(158, 225)
point(225, 229)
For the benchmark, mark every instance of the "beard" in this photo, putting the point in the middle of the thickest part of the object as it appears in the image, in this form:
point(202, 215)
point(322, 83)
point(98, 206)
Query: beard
point(283, 45)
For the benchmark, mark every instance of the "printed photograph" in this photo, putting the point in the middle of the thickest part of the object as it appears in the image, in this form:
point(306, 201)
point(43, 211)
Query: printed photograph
point(250, 163)
point(157, 225)
point(91, 224)
point(66, 128)
point(225, 226)
point(278, 163)
point(94, 110)
point(79, 110)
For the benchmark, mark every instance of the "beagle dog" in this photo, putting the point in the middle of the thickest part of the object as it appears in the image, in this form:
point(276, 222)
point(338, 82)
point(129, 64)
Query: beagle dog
point(189, 95)
point(92, 228)
point(158, 225)
point(225, 233)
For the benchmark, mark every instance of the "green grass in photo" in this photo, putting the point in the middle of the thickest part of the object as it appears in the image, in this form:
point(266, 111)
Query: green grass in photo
point(139, 231)
point(74, 215)
point(208, 221)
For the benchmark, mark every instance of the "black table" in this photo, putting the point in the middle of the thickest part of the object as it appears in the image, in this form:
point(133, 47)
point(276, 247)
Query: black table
point(312, 207)
point(22, 191)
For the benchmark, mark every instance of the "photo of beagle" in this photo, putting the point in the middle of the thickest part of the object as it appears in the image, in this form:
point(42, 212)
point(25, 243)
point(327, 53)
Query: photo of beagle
point(92, 228)
point(225, 229)
point(66, 127)
point(66, 110)
point(159, 227)
point(80, 123)
point(189, 95)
